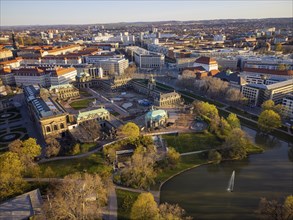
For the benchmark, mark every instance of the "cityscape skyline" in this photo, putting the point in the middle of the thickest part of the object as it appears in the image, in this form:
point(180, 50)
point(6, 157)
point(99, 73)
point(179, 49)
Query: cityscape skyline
point(15, 13)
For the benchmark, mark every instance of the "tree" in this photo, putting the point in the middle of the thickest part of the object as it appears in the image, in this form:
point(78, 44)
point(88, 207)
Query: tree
point(76, 149)
point(53, 147)
point(173, 157)
point(130, 130)
point(26, 150)
point(11, 181)
point(269, 120)
point(215, 156)
point(205, 109)
point(214, 87)
point(234, 96)
point(140, 174)
point(223, 129)
point(275, 210)
point(79, 196)
point(288, 207)
point(233, 120)
point(278, 47)
point(236, 144)
point(145, 207)
point(171, 212)
point(268, 105)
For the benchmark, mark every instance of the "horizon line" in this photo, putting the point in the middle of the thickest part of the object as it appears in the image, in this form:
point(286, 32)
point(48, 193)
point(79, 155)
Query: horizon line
point(214, 19)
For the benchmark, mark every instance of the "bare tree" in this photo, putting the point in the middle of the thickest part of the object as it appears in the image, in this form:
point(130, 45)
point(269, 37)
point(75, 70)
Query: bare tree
point(78, 196)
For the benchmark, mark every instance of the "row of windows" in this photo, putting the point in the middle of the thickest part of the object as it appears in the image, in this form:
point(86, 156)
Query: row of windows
point(55, 128)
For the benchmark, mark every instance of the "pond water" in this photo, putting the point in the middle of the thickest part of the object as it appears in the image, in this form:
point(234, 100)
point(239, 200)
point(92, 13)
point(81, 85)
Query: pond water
point(202, 191)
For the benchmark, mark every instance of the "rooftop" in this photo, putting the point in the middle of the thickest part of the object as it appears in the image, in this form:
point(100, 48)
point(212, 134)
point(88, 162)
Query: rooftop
point(206, 60)
point(22, 207)
point(273, 86)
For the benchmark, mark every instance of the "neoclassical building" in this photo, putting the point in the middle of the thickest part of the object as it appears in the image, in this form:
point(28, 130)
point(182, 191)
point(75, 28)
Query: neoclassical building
point(64, 91)
point(100, 114)
point(48, 115)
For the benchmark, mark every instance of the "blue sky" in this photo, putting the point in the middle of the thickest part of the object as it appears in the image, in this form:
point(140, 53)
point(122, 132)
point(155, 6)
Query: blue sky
point(89, 12)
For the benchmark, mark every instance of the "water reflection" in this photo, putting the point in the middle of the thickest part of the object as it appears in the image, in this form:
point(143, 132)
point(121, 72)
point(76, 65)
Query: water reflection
point(202, 191)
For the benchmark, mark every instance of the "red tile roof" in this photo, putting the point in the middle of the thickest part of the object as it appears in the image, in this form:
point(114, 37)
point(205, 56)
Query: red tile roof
point(206, 60)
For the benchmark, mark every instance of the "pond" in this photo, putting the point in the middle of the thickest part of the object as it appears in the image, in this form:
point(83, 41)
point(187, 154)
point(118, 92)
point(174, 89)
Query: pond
point(202, 191)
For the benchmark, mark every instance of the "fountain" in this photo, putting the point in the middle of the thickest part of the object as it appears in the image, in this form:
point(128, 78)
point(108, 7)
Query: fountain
point(231, 182)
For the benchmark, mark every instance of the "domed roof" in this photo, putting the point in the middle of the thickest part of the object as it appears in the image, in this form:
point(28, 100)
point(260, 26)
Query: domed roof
point(156, 114)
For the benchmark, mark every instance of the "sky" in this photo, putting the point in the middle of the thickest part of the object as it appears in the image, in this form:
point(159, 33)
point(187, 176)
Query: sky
point(46, 12)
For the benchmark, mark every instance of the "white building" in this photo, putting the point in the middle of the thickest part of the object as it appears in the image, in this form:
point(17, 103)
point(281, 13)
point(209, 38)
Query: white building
point(146, 59)
point(288, 105)
point(31, 76)
point(207, 63)
point(60, 76)
point(219, 38)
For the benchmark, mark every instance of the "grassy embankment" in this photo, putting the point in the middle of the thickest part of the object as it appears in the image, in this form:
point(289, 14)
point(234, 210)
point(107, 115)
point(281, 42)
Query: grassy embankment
point(94, 163)
point(80, 104)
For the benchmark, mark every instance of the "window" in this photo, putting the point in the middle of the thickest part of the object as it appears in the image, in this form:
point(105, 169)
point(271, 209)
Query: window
point(55, 127)
point(61, 125)
point(48, 129)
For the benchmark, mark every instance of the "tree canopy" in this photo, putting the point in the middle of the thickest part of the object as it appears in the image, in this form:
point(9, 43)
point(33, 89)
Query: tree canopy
point(141, 173)
point(233, 120)
point(269, 120)
point(11, 180)
point(205, 109)
point(79, 196)
point(145, 207)
point(130, 130)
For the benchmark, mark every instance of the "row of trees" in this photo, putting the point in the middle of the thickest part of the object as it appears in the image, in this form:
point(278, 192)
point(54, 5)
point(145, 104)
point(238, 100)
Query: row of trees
point(17, 163)
point(214, 88)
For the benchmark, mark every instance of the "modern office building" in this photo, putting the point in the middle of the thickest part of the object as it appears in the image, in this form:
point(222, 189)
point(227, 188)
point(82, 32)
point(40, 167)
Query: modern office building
point(258, 93)
point(146, 59)
point(287, 103)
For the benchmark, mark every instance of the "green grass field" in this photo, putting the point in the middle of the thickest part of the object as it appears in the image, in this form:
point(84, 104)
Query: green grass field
point(94, 163)
point(125, 200)
point(188, 142)
point(80, 104)
point(185, 163)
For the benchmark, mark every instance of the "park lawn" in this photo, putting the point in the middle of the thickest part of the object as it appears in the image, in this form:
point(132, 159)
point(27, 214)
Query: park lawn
point(188, 142)
point(93, 163)
point(186, 162)
point(124, 209)
point(86, 147)
point(80, 104)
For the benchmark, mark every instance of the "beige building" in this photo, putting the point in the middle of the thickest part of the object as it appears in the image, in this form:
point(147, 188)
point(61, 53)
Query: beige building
point(5, 54)
point(64, 91)
point(48, 115)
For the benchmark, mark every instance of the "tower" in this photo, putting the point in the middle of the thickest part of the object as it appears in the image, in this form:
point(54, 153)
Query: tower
point(15, 45)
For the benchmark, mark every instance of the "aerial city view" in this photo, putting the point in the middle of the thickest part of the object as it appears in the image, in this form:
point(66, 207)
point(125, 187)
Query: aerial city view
point(146, 110)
